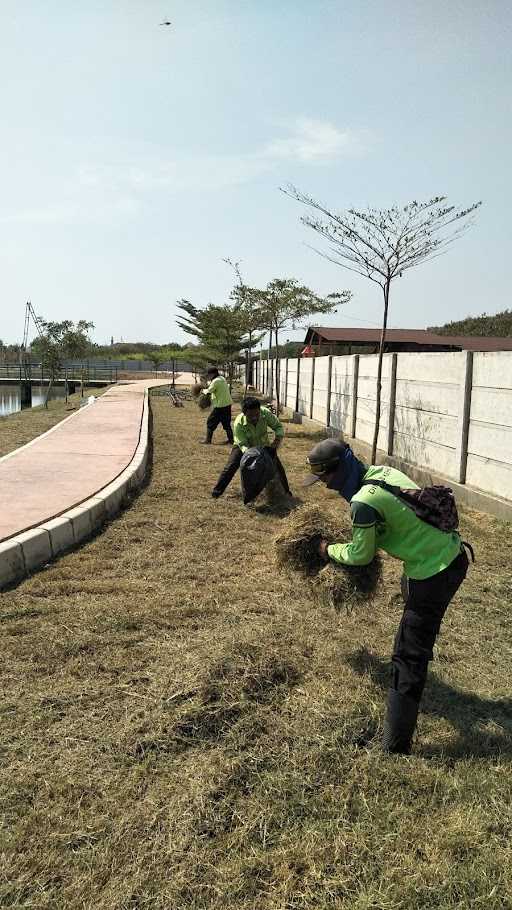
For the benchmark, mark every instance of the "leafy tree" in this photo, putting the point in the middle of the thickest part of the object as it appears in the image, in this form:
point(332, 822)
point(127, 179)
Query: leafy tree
point(158, 357)
point(381, 244)
point(285, 303)
point(60, 341)
point(499, 325)
point(220, 331)
point(132, 350)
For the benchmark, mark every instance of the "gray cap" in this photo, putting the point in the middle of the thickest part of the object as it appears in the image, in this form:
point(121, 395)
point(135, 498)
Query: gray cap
point(323, 459)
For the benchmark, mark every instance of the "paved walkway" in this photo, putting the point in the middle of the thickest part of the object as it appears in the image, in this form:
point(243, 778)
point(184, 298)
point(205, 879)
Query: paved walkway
point(72, 461)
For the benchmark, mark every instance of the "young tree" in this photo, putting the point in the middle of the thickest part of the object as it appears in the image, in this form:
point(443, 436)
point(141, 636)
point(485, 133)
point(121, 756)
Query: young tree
point(220, 331)
point(158, 357)
point(60, 341)
point(285, 303)
point(381, 244)
point(249, 304)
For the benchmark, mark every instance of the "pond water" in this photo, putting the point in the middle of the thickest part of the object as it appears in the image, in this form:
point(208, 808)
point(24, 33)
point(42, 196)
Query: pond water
point(10, 397)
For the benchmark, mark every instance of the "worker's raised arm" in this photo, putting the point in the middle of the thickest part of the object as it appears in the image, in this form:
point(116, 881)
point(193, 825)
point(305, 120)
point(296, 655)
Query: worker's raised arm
point(211, 388)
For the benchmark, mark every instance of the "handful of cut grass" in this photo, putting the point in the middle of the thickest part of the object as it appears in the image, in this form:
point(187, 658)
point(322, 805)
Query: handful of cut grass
point(196, 389)
point(297, 549)
point(204, 402)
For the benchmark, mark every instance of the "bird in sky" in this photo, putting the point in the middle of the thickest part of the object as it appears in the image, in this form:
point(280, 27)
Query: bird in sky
point(166, 22)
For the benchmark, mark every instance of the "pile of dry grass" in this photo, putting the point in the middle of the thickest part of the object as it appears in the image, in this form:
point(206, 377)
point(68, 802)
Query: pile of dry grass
point(297, 545)
point(297, 548)
point(204, 402)
point(346, 586)
point(197, 388)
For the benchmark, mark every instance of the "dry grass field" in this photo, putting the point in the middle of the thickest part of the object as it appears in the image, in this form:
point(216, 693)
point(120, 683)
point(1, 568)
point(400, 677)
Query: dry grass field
point(180, 720)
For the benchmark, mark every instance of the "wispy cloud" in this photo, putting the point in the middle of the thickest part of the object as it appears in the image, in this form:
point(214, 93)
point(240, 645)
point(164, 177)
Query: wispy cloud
point(119, 189)
point(307, 142)
point(314, 140)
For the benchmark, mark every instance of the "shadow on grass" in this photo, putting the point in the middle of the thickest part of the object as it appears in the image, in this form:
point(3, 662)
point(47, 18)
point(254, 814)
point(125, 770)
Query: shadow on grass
point(280, 508)
point(467, 712)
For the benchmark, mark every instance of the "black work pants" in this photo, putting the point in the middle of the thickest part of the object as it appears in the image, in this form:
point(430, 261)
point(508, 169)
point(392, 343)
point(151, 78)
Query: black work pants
point(425, 607)
point(233, 463)
point(216, 416)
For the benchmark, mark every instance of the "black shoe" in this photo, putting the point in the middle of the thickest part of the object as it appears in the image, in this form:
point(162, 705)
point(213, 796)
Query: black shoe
point(216, 493)
point(400, 723)
point(205, 442)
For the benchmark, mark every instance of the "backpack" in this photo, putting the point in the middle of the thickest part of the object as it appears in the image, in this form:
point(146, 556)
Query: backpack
point(434, 505)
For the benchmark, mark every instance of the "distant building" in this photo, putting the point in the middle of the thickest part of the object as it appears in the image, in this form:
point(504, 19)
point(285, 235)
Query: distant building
point(327, 340)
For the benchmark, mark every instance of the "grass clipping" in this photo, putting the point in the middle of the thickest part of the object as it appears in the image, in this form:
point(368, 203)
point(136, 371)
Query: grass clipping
point(296, 550)
point(204, 402)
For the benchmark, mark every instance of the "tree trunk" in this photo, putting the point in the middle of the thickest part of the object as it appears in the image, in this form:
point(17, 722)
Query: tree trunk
point(278, 372)
point(248, 364)
point(50, 383)
point(379, 372)
point(270, 373)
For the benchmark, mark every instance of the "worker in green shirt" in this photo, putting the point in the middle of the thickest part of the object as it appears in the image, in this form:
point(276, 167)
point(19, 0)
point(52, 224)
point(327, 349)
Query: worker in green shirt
point(435, 565)
point(251, 431)
point(221, 410)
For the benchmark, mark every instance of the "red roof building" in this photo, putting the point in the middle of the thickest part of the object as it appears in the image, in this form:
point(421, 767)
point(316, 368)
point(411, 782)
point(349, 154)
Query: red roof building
point(327, 340)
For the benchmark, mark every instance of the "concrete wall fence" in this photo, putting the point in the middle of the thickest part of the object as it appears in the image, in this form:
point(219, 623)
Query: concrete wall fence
point(449, 413)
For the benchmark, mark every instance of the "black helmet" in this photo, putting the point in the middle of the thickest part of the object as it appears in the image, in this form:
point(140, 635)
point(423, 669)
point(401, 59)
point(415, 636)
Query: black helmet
point(323, 459)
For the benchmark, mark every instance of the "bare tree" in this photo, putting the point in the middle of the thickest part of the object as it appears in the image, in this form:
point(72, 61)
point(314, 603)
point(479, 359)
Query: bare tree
point(381, 244)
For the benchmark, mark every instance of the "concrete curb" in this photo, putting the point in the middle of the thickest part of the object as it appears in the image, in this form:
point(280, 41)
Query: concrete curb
point(28, 552)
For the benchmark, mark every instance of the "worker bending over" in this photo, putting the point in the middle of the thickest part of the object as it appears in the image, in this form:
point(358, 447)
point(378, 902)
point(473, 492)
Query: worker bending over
point(435, 565)
point(251, 430)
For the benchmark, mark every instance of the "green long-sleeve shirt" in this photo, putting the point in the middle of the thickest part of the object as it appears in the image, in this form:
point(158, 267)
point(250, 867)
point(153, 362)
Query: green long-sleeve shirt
point(219, 392)
point(382, 521)
point(248, 435)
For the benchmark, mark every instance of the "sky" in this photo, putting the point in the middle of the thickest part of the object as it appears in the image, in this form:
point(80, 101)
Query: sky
point(135, 157)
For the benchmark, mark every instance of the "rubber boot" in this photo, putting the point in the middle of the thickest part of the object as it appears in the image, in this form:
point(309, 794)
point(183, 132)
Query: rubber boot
point(400, 723)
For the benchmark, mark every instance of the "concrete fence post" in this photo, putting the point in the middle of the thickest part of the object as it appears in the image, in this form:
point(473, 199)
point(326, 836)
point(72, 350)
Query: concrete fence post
point(297, 389)
point(312, 388)
point(392, 403)
point(464, 412)
point(355, 381)
point(285, 396)
point(328, 403)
